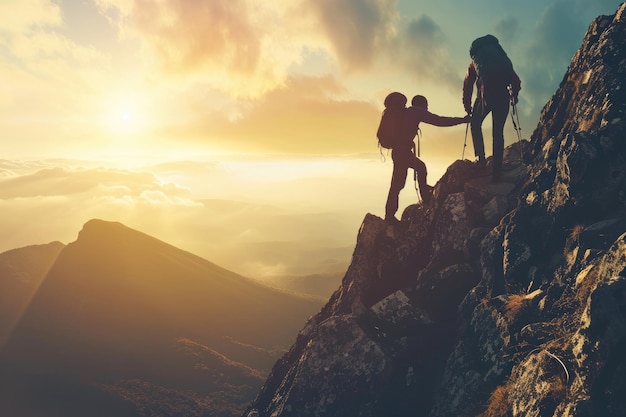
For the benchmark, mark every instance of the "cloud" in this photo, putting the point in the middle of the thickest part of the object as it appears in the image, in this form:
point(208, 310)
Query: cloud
point(159, 197)
point(240, 46)
point(557, 34)
point(357, 29)
point(52, 201)
point(50, 79)
point(62, 181)
point(423, 50)
point(506, 29)
point(25, 15)
point(191, 34)
point(29, 31)
point(247, 47)
point(306, 114)
point(41, 201)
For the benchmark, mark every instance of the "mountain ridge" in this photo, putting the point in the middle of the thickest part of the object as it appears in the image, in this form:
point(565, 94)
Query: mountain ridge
point(95, 230)
point(21, 272)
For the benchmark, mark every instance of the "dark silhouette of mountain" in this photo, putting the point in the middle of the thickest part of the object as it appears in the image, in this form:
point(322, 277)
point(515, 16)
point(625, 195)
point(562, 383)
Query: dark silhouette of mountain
point(495, 299)
point(129, 325)
point(21, 273)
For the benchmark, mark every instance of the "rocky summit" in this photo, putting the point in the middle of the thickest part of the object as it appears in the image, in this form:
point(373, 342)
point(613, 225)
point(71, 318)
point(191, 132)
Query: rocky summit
point(496, 299)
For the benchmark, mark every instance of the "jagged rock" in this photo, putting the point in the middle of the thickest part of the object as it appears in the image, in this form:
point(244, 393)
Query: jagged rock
point(397, 302)
point(601, 234)
point(542, 384)
point(333, 378)
point(574, 184)
point(452, 225)
point(503, 299)
point(598, 345)
point(472, 248)
point(397, 312)
point(440, 291)
point(454, 179)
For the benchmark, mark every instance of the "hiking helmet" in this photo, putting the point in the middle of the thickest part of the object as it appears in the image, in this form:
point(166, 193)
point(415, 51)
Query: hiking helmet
point(419, 101)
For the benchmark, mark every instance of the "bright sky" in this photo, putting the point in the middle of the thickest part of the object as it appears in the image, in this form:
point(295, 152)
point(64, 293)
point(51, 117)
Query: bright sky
point(243, 130)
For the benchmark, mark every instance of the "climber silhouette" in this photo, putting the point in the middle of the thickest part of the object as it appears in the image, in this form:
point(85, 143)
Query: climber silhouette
point(403, 154)
point(492, 72)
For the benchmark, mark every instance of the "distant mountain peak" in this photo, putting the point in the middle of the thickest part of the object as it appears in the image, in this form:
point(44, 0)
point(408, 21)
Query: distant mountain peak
point(100, 224)
point(98, 229)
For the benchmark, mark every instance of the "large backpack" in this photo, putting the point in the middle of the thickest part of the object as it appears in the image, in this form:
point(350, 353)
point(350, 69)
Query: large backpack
point(492, 64)
point(390, 129)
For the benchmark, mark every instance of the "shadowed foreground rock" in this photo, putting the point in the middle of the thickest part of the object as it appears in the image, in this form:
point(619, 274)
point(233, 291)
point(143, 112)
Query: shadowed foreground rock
point(504, 299)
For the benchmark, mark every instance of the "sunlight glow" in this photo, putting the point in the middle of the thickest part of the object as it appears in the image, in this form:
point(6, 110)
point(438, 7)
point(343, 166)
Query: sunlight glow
point(288, 169)
point(124, 115)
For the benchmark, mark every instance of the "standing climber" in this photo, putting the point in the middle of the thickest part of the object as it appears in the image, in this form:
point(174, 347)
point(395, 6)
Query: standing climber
point(492, 72)
point(403, 153)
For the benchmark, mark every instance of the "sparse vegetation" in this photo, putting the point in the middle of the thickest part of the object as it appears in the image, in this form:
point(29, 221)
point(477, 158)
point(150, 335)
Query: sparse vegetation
point(498, 405)
point(558, 388)
point(576, 231)
point(513, 306)
point(586, 285)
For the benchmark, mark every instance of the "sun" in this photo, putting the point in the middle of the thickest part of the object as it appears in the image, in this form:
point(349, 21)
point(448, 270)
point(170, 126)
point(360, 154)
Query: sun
point(126, 117)
point(125, 114)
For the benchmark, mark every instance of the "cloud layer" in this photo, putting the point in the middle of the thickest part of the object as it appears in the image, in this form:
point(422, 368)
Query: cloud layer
point(247, 47)
point(247, 216)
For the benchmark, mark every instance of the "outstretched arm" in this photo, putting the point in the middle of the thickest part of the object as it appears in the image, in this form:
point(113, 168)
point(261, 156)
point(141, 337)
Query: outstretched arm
point(443, 121)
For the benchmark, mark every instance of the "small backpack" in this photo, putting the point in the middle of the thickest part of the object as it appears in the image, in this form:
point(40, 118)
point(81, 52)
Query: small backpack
point(390, 129)
point(492, 64)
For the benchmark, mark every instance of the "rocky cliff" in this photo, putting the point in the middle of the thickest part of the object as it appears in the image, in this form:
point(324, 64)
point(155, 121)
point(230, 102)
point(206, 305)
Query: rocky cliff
point(504, 299)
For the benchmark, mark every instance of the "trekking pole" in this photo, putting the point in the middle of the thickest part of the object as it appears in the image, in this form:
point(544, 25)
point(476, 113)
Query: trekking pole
point(516, 126)
point(417, 190)
point(419, 135)
point(465, 142)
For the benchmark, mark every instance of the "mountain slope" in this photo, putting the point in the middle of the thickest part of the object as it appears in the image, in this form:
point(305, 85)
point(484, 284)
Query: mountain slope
point(504, 299)
point(119, 305)
point(21, 272)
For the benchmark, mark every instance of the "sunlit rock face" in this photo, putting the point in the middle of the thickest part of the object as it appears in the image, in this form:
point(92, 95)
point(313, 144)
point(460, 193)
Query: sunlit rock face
point(497, 299)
